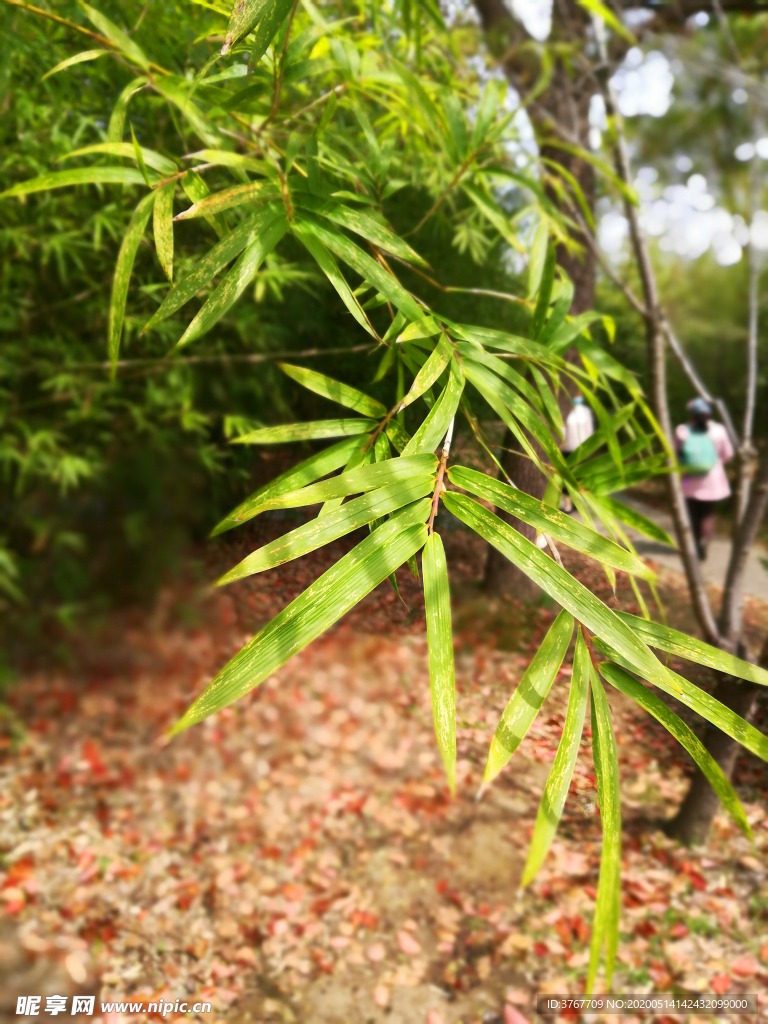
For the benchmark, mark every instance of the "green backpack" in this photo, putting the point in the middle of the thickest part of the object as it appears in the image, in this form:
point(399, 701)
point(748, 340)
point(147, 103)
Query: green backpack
point(698, 453)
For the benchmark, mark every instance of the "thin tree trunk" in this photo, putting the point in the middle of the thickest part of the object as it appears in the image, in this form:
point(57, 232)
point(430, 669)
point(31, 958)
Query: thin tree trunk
point(563, 100)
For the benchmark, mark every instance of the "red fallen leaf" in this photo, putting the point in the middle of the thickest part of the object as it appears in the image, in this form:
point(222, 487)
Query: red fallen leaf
point(271, 853)
point(14, 906)
point(697, 881)
point(442, 886)
point(745, 967)
point(581, 928)
point(590, 891)
point(293, 892)
point(721, 984)
point(540, 948)
point(645, 929)
point(764, 954)
point(92, 755)
point(563, 929)
point(85, 859)
point(679, 930)
point(362, 919)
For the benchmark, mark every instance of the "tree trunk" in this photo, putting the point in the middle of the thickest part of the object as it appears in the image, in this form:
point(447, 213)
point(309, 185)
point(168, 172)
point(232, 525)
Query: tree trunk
point(563, 99)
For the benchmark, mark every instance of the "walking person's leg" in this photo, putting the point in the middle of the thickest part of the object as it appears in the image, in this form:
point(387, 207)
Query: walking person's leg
point(695, 515)
point(707, 527)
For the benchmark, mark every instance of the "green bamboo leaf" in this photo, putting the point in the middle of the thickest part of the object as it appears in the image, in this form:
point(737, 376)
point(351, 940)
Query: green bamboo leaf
point(398, 435)
point(338, 523)
point(123, 42)
point(545, 293)
point(438, 419)
point(76, 176)
point(335, 390)
point(548, 520)
point(366, 267)
point(427, 327)
point(563, 587)
point(530, 693)
point(238, 278)
point(600, 10)
point(504, 370)
point(238, 195)
point(236, 161)
point(310, 614)
point(123, 269)
point(700, 701)
point(78, 58)
point(139, 158)
point(353, 481)
point(605, 927)
point(162, 225)
point(246, 15)
point(309, 431)
point(559, 781)
point(539, 251)
point(311, 469)
point(493, 214)
point(442, 682)
point(117, 118)
point(361, 223)
point(684, 736)
point(126, 149)
point(430, 371)
point(609, 366)
point(682, 646)
point(550, 402)
point(636, 520)
point(329, 267)
point(364, 455)
point(523, 347)
point(267, 27)
point(564, 336)
point(206, 268)
point(196, 190)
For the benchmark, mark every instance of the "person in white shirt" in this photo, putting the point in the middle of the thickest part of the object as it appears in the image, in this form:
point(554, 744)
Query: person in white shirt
point(579, 425)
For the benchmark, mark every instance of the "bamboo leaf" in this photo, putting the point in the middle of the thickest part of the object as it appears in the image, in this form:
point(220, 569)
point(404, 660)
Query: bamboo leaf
point(442, 682)
point(538, 258)
point(246, 15)
point(123, 269)
point(353, 481)
point(267, 28)
point(206, 268)
point(78, 58)
point(631, 517)
point(123, 42)
point(511, 343)
point(430, 371)
point(238, 195)
point(366, 267)
point(684, 736)
point(530, 693)
point(701, 702)
point(310, 614)
point(117, 117)
point(162, 225)
point(312, 430)
point(76, 176)
point(683, 646)
point(398, 435)
point(334, 390)
point(427, 327)
point(338, 523)
point(306, 472)
point(196, 189)
point(438, 419)
point(238, 278)
point(605, 928)
point(494, 215)
point(361, 223)
point(559, 781)
point(545, 293)
point(329, 267)
point(126, 149)
point(547, 520)
point(563, 587)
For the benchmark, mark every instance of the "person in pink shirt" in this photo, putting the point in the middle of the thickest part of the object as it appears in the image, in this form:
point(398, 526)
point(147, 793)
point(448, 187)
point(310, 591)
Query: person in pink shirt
point(703, 448)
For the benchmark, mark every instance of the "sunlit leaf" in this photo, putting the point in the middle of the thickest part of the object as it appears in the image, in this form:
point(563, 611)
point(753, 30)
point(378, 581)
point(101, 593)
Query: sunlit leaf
point(76, 176)
point(437, 607)
point(361, 223)
point(433, 429)
point(631, 517)
point(310, 430)
point(685, 736)
point(238, 195)
point(430, 371)
point(605, 927)
point(123, 269)
point(162, 225)
point(338, 523)
point(78, 58)
point(334, 390)
point(307, 616)
point(559, 781)
point(123, 42)
point(246, 15)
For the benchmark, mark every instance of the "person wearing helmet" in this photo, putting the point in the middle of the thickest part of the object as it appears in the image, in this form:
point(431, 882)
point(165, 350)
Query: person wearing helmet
point(579, 425)
point(703, 448)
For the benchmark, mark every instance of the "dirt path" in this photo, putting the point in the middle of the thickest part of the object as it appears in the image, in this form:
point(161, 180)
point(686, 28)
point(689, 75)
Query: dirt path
point(297, 857)
point(716, 563)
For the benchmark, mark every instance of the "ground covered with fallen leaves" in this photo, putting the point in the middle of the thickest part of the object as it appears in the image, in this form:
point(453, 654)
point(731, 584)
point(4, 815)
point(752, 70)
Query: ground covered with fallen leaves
point(297, 857)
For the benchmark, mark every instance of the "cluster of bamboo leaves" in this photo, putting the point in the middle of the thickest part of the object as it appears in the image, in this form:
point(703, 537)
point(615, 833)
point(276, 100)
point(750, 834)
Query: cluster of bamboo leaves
point(274, 159)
